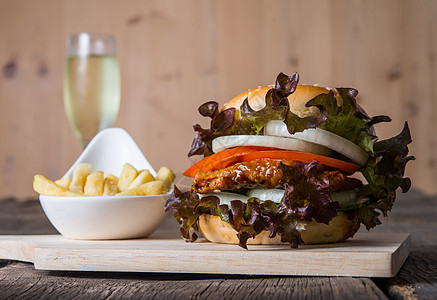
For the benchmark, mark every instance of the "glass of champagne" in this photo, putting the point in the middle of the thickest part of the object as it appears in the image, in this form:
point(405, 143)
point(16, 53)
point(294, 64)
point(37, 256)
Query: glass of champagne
point(91, 84)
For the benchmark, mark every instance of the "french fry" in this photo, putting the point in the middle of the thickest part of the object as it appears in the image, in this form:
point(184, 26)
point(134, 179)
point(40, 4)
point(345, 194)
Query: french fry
point(94, 184)
point(63, 182)
point(165, 175)
point(130, 183)
point(146, 189)
point(47, 187)
point(110, 185)
point(127, 176)
point(143, 177)
point(80, 174)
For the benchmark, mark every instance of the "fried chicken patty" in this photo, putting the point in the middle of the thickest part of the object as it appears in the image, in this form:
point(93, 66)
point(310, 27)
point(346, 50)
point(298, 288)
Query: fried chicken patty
point(263, 173)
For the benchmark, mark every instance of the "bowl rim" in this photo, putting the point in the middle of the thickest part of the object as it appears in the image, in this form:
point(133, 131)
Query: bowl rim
point(97, 198)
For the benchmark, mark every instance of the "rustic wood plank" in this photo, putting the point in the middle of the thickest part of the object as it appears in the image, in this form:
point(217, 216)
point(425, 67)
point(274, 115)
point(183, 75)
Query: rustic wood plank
point(3, 263)
point(416, 279)
point(414, 213)
point(42, 284)
point(23, 216)
point(368, 254)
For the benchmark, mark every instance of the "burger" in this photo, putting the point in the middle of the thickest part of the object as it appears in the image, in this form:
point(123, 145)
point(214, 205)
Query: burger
point(289, 163)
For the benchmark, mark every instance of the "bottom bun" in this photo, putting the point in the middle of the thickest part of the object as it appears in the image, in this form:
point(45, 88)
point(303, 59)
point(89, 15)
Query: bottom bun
point(342, 227)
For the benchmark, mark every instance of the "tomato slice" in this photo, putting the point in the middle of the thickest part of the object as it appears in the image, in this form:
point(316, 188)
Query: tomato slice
point(221, 159)
point(346, 167)
point(232, 156)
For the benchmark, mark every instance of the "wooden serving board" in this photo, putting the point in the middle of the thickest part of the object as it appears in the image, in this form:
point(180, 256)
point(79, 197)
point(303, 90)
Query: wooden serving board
point(367, 254)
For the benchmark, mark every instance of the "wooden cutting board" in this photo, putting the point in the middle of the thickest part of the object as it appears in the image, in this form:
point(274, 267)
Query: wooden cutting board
point(367, 254)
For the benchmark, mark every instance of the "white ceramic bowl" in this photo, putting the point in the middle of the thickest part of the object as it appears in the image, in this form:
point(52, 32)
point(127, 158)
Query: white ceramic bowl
point(107, 217)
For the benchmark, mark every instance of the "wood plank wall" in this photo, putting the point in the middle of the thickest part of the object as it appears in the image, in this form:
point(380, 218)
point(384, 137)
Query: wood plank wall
point(175, 55)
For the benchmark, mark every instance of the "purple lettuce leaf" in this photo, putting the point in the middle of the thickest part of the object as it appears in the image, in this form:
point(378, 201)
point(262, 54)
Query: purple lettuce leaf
point(384, 173)
point(247, 219)
point(187, 207)
point(306, 194)
point(287, 225)
point(307, 197)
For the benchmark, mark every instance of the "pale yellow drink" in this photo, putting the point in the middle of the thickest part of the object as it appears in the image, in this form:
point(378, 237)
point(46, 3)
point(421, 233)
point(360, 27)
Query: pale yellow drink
point(91, 93)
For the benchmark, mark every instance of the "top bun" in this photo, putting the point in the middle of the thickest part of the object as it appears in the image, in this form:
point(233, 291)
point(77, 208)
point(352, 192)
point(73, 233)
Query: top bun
point(297, 99)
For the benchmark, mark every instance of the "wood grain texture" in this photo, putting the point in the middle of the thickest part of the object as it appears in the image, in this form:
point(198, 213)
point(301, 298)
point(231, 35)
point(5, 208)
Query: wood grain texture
point(413, 212)
point(46, 284)
point(417, 279)
point(176, 55)
point(367, 255)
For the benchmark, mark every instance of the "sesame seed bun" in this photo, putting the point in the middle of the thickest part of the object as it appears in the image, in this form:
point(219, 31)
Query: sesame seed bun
point(297, 99)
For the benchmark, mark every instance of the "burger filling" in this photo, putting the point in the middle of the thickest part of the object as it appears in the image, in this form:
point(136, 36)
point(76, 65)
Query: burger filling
point(275, 170)
point(263, 173)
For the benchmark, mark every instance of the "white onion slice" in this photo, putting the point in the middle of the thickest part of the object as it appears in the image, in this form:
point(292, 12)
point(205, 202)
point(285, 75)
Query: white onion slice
point(229, 141)
point(345, 197)
point(226, 198)
point(320, 137)
point(275, 195)
point(348, 199)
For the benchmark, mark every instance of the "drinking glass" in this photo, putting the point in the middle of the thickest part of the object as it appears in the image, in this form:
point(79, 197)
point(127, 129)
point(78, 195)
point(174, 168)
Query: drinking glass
point(91, 83)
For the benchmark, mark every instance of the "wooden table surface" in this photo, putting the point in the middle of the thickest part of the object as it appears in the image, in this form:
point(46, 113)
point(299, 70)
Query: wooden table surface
point(413, 213)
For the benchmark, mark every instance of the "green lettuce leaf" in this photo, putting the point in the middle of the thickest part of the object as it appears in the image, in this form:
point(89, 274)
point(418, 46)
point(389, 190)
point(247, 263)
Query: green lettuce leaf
point(348, 120)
